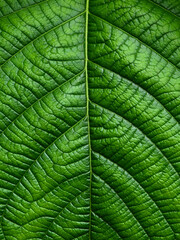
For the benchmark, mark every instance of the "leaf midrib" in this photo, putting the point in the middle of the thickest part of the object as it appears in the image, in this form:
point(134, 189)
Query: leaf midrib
point(87, 114)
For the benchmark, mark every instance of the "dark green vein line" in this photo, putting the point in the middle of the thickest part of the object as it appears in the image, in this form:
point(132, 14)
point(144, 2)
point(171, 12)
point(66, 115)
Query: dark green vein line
point(2, 231)
point(48, 228)
point(21, 9)
point(19, 181)
point(58, 185)
point(113, 190)
point(131, 81)
point(59, 25)
point(140, 187)
point(107, 224)
point(134, 37)
point(59, 86)
point(152, 142)
point(164, 9)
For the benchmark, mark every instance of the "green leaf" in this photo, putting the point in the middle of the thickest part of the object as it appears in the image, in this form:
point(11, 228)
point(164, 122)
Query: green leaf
point(89, 119)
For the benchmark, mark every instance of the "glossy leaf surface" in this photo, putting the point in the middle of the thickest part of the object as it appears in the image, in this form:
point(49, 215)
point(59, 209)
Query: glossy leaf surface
point(89, 119)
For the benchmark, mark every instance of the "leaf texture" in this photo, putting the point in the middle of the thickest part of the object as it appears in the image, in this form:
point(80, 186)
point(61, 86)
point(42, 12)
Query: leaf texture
point(89, 119)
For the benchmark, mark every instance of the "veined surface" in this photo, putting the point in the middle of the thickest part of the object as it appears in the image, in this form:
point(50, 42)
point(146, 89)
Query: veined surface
point(89, 119)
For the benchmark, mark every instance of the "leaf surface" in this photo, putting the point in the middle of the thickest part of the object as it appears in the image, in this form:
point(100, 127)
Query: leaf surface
point(89, 119)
